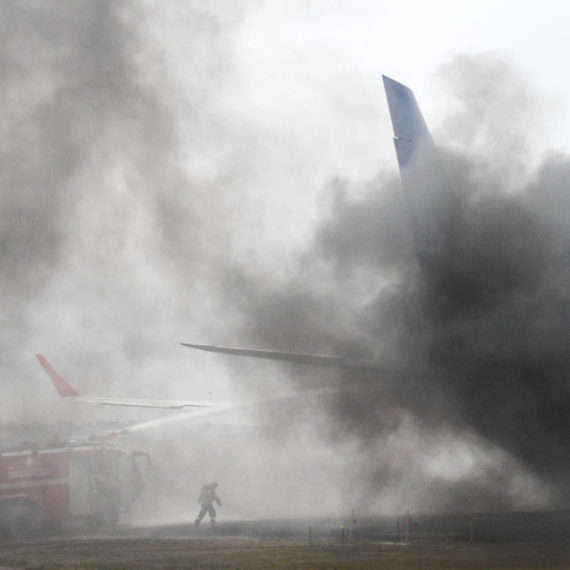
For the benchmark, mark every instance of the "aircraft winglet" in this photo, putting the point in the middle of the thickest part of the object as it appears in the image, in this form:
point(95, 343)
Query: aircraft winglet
point(65, 389)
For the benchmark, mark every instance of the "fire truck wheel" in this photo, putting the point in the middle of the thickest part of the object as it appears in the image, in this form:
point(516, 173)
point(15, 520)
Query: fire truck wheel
point(107, 509)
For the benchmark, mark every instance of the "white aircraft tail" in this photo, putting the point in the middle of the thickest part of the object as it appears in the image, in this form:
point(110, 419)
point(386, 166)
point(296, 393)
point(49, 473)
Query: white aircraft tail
point(434, 209)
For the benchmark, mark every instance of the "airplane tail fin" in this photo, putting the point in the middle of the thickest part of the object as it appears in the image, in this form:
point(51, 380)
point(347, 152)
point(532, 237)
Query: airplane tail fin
point(435, 211)
point(63, 387)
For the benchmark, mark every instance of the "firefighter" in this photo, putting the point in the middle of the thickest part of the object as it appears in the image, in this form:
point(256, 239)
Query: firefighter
point(206, 499)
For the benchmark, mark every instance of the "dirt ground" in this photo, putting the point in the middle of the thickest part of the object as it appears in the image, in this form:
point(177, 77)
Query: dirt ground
point(184, 547)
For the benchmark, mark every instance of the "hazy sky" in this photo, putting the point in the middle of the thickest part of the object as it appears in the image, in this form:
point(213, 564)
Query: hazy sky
point(306, 77)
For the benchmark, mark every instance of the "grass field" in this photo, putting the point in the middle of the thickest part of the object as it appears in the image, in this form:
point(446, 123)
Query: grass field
point(257, 553)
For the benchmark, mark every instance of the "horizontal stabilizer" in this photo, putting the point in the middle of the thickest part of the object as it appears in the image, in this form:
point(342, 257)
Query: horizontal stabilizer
point(299, 358)
point(143, 403)
point(316, 359)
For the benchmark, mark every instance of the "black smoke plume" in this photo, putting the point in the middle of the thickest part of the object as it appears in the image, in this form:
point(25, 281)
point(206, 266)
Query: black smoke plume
point(485, 344)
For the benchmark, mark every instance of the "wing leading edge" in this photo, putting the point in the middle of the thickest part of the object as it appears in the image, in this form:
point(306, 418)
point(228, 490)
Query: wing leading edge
point(295, 357)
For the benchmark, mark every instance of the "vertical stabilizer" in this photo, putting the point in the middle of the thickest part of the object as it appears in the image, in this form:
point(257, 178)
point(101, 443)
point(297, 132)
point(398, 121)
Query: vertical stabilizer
point(63, 387)
point(434, 209)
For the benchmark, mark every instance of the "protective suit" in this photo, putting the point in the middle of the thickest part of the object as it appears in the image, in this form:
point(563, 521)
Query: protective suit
point(206, 499)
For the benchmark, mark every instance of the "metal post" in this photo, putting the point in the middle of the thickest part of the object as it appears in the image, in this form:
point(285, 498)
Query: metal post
point(398, 533)
point(342, 539)
point(354, 523)
point(310, 537)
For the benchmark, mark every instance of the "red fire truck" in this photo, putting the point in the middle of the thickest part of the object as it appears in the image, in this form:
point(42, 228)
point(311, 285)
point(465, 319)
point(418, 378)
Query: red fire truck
point(64, 481)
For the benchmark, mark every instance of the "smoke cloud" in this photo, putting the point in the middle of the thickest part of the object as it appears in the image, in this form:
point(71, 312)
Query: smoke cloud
point(484, 347)
point(133, 207)
point(106, 238)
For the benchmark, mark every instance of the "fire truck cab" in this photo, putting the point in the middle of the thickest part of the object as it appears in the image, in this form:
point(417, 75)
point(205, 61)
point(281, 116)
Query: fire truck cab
point(63, 481)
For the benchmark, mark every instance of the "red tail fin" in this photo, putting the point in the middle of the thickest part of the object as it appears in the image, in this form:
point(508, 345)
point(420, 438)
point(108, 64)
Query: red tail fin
point(63, 387)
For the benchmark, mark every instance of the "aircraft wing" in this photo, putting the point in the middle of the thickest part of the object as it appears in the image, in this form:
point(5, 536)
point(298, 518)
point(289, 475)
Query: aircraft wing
point(70, 393)
point(296, 357)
